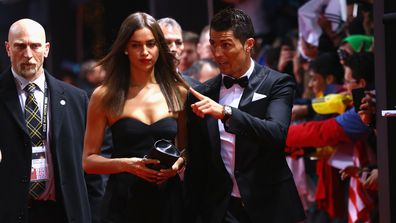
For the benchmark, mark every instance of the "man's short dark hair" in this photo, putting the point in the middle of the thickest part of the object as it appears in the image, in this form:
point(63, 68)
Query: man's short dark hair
point(235, 20)
point(328, 64)
point(362, 66)
point(190, 37)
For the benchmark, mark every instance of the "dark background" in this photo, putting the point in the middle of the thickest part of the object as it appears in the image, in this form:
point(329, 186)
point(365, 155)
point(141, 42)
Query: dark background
point(79, 30)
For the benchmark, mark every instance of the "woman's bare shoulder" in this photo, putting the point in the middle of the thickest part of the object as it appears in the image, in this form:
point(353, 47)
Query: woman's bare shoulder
point(99, 92)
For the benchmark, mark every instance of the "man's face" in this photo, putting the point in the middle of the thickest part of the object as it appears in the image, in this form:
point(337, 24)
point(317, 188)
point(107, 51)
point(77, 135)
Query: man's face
point(203, 48)
point(350, 83)
point(174, 39)
point(188, 56)
point(232, 56)
point(317, 83)
point(27, 50)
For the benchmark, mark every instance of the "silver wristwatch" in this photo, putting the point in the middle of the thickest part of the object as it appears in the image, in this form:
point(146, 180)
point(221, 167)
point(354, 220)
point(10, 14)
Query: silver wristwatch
point(227, 113)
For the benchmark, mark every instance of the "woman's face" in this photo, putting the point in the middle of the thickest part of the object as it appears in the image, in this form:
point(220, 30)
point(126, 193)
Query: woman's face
point(142, 50)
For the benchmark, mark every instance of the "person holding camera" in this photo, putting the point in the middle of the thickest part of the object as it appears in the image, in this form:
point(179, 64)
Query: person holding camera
point(142, 101)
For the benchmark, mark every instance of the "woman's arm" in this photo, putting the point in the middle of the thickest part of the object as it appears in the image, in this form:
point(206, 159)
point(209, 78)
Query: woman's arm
point(93, 162)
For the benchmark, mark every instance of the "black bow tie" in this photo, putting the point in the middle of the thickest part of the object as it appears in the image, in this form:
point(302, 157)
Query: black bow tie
point(229, 81)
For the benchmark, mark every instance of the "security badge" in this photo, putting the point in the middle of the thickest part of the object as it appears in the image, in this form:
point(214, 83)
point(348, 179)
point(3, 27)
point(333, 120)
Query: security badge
point(39, 164)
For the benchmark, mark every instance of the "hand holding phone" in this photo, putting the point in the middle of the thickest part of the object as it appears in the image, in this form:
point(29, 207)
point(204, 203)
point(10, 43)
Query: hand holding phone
point(357, 96)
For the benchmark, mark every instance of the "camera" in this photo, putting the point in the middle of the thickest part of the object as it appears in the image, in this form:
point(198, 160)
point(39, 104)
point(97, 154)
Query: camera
point(342, 54)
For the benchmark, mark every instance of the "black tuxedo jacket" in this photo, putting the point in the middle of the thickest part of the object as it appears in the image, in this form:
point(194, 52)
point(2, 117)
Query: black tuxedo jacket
point(67, 126)
point(264, 179)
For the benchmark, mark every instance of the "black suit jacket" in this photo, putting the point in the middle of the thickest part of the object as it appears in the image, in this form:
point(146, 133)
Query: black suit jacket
point(264, 179)
point(67, 126)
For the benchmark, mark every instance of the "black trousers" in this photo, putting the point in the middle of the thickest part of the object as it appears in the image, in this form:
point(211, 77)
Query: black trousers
point(236, 213)
point(46, 212)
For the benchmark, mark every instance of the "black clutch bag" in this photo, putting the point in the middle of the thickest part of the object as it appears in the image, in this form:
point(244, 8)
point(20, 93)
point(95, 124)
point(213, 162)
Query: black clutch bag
point(164, 151)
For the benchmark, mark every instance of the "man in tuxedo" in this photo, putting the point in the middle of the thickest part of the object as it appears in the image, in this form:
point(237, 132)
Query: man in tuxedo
point(238, 121)
point(41, 136)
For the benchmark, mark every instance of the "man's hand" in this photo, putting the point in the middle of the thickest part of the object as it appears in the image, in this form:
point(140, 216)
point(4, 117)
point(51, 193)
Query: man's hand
point(350, 171)
point(368, 107)
point(371, 183)
point(206, 106)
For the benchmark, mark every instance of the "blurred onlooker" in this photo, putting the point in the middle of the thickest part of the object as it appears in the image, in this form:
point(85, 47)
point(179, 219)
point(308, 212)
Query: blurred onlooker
point(173, 35)
point(325, 74)
point(91, 76)
point(203, 70)
point(189, 54)
point(68, 76)
point(346, 131)
point(203, 47)
point(354, 44)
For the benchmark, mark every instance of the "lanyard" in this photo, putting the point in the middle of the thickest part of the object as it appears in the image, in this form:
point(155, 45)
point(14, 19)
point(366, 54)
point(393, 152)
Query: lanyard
point(45, 111)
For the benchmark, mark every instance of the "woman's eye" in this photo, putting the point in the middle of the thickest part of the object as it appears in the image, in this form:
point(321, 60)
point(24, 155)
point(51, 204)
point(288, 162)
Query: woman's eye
point(151, 44)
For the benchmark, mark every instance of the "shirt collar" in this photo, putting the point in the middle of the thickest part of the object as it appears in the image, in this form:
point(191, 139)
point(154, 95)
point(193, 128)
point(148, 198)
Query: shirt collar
point(22, 82)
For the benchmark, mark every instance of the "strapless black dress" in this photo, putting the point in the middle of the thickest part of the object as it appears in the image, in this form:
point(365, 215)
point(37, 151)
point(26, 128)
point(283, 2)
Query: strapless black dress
point(129, 198)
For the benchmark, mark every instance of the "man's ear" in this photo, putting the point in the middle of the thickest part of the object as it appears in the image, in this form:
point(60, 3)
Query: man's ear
point(7, 47)
point(47, 48)
point(249, 44)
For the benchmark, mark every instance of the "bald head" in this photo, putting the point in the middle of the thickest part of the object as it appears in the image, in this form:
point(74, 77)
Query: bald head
point(27, 48)
point(26, 25)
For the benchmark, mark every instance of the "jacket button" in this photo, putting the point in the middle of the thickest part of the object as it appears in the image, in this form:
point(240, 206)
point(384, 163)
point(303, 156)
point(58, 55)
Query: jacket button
point(236, 173)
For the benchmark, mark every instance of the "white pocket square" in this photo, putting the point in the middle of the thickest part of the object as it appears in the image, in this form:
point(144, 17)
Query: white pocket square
point(257, 96)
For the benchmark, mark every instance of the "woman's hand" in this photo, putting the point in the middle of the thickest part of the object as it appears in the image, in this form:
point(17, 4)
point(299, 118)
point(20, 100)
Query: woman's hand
point(137, 166)
point(165, 174)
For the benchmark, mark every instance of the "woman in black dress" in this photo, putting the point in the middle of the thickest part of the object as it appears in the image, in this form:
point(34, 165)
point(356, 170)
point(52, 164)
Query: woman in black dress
point(141, 100)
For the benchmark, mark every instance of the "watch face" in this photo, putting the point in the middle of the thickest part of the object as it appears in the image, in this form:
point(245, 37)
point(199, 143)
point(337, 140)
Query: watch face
point(227, 113)
point(228, 110)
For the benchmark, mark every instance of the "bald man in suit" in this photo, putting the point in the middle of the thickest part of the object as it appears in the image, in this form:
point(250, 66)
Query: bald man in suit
point(48, 154)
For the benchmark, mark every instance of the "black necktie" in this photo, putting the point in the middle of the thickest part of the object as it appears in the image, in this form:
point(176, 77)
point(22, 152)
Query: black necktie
point(229, 81)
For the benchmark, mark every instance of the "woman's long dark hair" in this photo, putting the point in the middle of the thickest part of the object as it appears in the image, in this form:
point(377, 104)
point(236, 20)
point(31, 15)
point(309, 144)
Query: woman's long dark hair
point(117, 67)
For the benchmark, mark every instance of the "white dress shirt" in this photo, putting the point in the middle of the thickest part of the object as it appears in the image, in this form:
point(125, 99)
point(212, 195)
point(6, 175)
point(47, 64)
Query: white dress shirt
point(231, 97)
